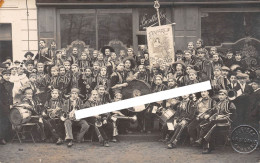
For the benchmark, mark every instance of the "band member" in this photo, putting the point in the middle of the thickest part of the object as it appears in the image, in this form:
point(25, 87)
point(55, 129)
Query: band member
point(88, 82)
point(102, 78)
point(53, 106)
point(183, 116)
point(41, 82)
point(74, 56)
point(244, 87)
point(122, 56)
point(172, 83)
point(94, 57)
point(58, 60)
point(204, 106)
point(239, 61)
point(188, 59)
point(229, 59)
point(179, 55)
point(142, 74)
point(218, 81)
point(103, 94)
point(52, 51)
point(100, 60)
point(203, 65)
point(6, 100)
point(43, 55)
point(67, 66)
point(103, 128)
point(76, 78)
point(129, 68)
point(64, 81)
point(35, 107)
point(84, 61)
point(118, 79)
point(220, 114)
point(216, 60)
point(70, 106)
point(191, 48)
point(192, 77)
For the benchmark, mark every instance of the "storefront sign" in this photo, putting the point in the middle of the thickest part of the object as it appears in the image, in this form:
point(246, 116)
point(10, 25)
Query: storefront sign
point(160, 40)
point(148, 17)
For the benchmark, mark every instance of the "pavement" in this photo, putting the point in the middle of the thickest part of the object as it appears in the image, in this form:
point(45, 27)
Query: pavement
point(130, 151)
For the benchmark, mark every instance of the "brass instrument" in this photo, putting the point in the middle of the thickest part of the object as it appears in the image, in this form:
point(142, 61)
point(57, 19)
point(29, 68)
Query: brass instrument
point(232, 94)
point(55, 113)
point(133, 118)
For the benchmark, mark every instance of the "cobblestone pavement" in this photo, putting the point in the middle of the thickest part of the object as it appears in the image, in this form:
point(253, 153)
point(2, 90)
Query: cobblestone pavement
point(120, 152)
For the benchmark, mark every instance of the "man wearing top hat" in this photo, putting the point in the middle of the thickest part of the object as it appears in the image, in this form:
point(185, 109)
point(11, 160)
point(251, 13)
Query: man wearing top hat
point(6, 100)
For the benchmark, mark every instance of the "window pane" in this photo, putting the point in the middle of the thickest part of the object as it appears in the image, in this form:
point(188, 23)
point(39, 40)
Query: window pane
point(114, 26)
point(217, 28)
point(78, 26)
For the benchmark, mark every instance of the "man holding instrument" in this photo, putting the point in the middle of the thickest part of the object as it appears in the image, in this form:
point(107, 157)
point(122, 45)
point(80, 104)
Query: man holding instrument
point(69, 107)
point(219, 115)
point(184, 114)
point(204, 105)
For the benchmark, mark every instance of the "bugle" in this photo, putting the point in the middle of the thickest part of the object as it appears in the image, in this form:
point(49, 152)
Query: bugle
point(232, 94)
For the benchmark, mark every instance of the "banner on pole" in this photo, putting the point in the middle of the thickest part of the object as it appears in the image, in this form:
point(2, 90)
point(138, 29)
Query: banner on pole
point(160, 40)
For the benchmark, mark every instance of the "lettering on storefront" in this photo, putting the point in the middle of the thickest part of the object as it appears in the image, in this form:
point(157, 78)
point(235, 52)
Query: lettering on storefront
point(148, 17)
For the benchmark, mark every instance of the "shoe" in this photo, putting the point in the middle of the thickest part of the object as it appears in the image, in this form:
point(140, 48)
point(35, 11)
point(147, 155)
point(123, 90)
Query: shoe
point(171, 146)
point(114, 139)
point(106, 144)
point(206, 151)
point(198, 141)
point(59, 142)
point(70, 144)
point(3, 142)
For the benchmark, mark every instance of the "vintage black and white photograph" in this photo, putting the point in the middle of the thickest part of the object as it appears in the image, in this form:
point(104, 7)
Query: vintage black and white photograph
point(59, 57)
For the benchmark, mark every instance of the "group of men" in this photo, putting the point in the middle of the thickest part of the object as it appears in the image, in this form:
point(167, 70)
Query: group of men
point(55, 83)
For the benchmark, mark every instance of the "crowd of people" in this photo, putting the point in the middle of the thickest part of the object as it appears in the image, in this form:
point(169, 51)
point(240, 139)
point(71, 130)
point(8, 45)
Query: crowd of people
point(52, 85)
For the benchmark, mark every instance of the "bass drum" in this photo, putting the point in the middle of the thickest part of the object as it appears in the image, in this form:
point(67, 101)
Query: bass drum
point(136, 88)
point(133, 85)
point(19, 115)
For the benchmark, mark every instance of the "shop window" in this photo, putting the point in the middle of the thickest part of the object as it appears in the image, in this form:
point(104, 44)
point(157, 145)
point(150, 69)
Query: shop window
point(115, 26)
point(217, 28)
point(78, 26)
point(5, 41)
point(96, 29)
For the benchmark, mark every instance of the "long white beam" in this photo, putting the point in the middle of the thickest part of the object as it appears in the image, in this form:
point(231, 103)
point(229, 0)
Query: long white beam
point(145, 99)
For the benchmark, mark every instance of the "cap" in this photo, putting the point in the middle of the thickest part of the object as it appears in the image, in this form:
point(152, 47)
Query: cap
point(76, 90)
point(223, 91)
point(159, 76)
point(242, 76)
point(225, 68)
point(179, 52)
point(4, 72)
point(32, 75)
point(193, 71)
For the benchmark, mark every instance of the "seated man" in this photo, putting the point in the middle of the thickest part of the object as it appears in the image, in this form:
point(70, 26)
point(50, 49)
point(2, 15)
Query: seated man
point(103, 128)
point(220, 114)
point(183, 116)
point(70, 106)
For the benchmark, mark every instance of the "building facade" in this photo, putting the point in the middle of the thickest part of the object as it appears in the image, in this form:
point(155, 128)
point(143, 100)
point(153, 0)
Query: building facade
point(99, 22)
point(14, 29)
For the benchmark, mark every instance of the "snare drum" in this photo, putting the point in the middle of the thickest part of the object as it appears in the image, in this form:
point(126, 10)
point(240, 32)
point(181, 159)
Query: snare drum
point(19, 115)
point(167, 114)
